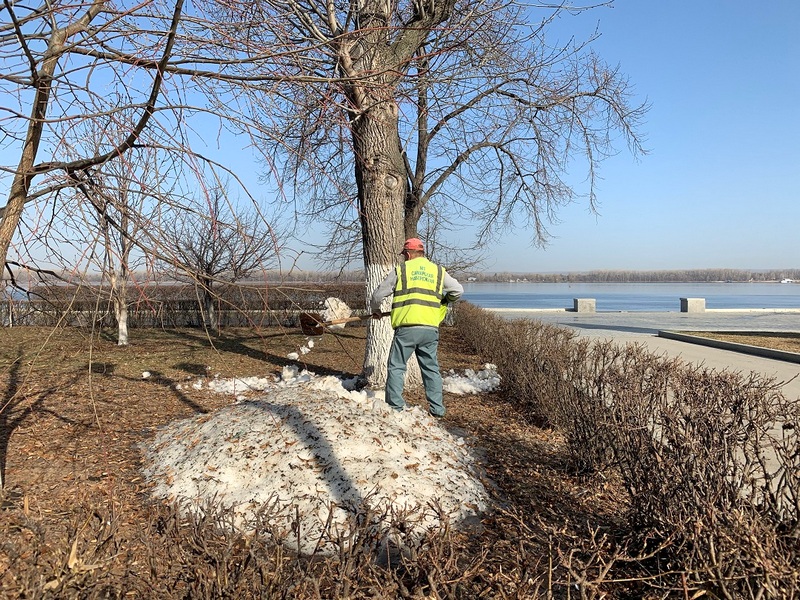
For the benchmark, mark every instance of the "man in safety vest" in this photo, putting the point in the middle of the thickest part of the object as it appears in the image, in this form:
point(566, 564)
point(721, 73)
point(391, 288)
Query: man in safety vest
point(422, 290)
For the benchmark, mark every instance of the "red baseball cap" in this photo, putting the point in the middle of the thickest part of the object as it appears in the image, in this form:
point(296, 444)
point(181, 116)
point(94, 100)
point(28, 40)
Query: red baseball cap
point(414, 244)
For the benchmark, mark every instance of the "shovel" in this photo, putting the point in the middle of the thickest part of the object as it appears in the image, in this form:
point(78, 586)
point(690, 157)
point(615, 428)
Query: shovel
point(312, 325)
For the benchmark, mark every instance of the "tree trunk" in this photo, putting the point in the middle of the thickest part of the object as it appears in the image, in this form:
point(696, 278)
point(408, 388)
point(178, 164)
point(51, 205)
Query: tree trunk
point(209, 312)
point(43, 82)
point(23, 176)
point(120, 294)
point(118, 277)
point(122, 325)
point(381, 181)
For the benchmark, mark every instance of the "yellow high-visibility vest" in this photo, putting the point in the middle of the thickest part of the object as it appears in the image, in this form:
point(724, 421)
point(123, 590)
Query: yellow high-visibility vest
point(418, 294)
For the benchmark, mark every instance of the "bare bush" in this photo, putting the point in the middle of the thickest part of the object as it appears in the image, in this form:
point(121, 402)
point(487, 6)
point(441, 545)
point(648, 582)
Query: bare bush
point(202, 557)
point(710, 459)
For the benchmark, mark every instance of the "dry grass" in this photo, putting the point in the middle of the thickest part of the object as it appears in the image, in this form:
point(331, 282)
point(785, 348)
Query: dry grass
point(785, 341)
point(76, 520)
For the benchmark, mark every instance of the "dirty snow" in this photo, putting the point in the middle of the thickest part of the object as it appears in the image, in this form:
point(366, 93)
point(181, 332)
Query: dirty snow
point(304, 349)
point(472, 382)
point(335, 309)
point(310, 442)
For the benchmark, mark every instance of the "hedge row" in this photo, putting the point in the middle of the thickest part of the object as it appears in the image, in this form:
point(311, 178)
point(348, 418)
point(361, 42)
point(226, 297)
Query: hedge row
point(170, 306)
point(710, 459)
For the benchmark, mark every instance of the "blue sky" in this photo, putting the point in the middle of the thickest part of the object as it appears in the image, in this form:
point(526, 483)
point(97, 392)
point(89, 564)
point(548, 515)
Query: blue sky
point(719, 187)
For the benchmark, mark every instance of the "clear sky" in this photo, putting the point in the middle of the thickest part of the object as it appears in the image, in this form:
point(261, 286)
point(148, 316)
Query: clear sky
point(720, 186)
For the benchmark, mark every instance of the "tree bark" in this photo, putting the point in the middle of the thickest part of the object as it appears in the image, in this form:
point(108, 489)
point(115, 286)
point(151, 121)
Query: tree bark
point(121, 295)
point(210, 321)
point(380, 177)
point(25, 171)
point(380, 168)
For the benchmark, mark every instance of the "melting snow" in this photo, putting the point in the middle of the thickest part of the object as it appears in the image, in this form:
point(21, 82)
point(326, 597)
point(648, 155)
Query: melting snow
point(335, 309)
point(311, 442)
point(471, 382)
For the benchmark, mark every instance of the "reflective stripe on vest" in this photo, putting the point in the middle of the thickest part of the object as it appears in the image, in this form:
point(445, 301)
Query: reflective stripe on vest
point(418, 293)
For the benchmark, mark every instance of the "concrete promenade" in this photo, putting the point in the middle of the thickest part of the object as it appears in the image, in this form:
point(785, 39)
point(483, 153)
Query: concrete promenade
point(643, 328)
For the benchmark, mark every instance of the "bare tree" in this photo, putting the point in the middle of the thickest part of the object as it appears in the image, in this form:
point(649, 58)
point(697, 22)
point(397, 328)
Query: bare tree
point(217, 243)
point(500, 117)
point(135, 74)
point(118, 244)
point(122, 211)
point(131, 73)
point(459, 111)
point(337, 91)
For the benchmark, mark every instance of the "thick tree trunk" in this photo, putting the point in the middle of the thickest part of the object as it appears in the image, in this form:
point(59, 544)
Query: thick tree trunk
point(380, 176)
point(376, 59)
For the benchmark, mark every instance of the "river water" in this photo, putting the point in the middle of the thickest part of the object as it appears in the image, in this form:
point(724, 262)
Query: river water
point(643, 297)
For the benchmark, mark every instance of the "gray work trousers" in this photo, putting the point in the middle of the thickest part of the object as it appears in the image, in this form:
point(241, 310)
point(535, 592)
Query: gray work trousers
point(424, 342)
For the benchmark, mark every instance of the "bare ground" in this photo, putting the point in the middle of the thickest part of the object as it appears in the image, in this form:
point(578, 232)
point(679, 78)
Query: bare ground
point(75, 408)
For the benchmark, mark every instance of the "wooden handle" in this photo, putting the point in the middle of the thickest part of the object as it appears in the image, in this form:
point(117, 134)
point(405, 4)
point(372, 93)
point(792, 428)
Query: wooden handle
point(352, 319)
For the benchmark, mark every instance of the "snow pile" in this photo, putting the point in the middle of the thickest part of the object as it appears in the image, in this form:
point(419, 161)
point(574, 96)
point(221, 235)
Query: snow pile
point(335, 309)
point(241, 387)
point(471, 382)
point(309, 442)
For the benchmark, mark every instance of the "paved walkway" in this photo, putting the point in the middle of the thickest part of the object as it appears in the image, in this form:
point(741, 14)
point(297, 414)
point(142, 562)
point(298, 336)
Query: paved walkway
point(643, 328)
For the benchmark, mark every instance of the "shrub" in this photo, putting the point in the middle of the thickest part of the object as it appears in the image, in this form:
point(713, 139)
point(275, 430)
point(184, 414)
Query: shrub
point(710, 460)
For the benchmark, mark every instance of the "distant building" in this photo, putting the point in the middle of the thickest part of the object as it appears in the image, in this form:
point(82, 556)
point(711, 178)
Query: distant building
point(787, 280)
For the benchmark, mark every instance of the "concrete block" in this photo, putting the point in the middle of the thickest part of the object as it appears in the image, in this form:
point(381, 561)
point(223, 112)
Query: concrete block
point(584, 305)
point(693, 305)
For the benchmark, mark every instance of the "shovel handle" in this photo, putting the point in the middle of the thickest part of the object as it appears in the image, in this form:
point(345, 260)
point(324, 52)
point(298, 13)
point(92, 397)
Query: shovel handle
point(351, 319)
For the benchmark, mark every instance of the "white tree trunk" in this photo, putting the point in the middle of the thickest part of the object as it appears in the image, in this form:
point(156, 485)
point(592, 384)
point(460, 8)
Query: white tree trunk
point(119, 293)
point(379, 333)
point(379, 338)
point(122, 325)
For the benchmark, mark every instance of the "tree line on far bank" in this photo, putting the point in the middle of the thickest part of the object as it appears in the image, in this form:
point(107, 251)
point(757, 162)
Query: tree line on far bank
point(669, 276)
point(276, 279)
